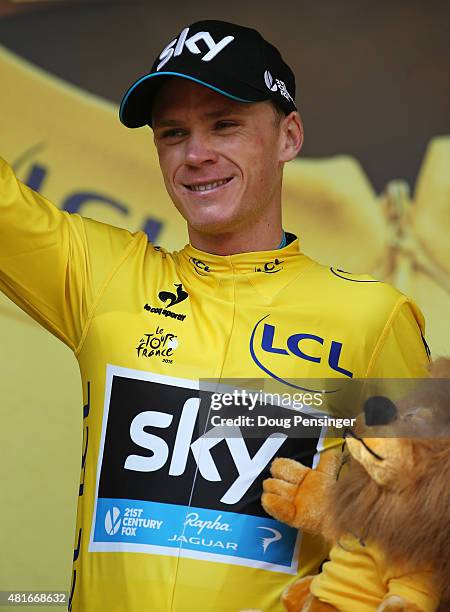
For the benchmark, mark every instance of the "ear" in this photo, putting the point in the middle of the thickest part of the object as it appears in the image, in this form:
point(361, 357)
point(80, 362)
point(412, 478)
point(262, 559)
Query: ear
point(291, 136)
point(440, 368)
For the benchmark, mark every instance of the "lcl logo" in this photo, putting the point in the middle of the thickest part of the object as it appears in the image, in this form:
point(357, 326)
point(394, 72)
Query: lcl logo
point(176, 46)
point(270, 267)
point(293, 346)
point(200, 267)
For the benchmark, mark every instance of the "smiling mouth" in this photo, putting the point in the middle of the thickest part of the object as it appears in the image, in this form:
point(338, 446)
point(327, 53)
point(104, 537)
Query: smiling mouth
point(208, 186)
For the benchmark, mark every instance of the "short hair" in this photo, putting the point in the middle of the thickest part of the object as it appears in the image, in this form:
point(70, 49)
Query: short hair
point(279, 113)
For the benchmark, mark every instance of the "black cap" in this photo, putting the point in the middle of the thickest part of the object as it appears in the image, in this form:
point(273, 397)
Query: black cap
point(230, 59)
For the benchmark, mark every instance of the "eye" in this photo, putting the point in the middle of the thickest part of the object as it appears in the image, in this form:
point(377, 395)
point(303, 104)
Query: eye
point(225, 124)
point(173, 133)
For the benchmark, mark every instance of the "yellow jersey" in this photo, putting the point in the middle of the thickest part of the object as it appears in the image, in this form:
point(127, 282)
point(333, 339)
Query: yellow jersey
point(170, 520)
point(358, 579)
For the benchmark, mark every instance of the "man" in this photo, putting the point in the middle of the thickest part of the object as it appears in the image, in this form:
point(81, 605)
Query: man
point(168, 519)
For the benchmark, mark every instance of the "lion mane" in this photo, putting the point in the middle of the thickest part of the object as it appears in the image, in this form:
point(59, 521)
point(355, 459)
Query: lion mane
point(412, 521)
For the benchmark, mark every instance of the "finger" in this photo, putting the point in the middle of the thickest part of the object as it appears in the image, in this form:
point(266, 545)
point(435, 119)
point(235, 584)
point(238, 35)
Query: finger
point(329, 461)
point(279, 487)
point(288, 470)
point(278, 507)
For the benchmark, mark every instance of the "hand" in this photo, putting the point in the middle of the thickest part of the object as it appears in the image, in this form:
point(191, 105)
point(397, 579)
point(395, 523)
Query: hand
point(295, 495)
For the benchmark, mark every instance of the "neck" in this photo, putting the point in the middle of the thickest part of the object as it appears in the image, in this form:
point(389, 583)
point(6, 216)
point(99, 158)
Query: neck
point(246, 242)
point(262, 235)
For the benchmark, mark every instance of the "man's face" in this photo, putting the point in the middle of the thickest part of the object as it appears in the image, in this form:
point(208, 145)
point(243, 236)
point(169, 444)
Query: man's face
point(220, 159)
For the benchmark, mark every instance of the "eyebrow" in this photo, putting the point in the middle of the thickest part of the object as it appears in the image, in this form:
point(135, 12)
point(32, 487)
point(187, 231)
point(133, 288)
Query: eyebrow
point(222, 112)
point(166, 123)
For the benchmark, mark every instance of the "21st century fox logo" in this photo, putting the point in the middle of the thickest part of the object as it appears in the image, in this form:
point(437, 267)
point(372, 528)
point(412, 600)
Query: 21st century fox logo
point(128, 524)
point(112, 521)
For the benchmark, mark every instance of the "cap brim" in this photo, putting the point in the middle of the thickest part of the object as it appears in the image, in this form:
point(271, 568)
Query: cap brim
point(136, 106)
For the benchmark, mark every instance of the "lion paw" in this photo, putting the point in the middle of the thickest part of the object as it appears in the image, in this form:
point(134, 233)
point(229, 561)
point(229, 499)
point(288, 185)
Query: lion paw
point(394, 603)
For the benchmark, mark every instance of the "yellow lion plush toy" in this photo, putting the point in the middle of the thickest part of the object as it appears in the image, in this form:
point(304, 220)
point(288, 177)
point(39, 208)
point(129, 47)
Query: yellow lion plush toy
point(385, 508)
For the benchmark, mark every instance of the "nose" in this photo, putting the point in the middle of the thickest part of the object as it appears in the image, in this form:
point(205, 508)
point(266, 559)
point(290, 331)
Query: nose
point(379, 410)
point(199, 150)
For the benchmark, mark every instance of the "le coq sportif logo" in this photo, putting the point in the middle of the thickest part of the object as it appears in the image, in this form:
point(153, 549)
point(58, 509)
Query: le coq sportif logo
point(170, 298)
point(178, 45)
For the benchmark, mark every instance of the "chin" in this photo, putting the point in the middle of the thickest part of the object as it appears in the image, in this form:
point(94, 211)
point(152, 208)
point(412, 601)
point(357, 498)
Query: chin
point(214, 222)
point(213, 226)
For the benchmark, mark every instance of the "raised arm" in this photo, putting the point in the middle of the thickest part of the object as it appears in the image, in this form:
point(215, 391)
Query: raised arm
point(53, 264)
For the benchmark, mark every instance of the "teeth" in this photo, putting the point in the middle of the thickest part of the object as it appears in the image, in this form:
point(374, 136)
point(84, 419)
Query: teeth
point(208, 186)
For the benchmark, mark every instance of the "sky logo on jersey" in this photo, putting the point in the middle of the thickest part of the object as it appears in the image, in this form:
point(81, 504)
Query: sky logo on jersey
point(265, 344)
point(179, 492)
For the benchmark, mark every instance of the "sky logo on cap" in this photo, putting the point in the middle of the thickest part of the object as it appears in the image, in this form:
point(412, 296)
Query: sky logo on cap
point(176, 46)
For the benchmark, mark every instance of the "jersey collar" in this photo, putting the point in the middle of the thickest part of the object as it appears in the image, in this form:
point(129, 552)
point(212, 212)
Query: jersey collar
point(266, 272)
point(265, 262)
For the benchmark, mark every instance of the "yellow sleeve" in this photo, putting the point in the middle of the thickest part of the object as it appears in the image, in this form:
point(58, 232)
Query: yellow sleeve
point(357, 580)
point(401, 350)
point(418, 588)
point(350, 581)
point(53, 264)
